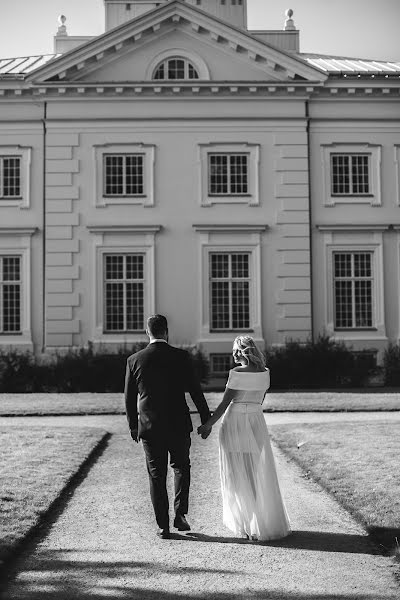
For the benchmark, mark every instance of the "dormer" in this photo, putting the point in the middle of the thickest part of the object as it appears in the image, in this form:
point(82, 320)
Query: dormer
point(230, 11)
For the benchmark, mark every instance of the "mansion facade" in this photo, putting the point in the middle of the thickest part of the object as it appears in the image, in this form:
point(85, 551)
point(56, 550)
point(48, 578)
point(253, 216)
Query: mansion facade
point(180, 163)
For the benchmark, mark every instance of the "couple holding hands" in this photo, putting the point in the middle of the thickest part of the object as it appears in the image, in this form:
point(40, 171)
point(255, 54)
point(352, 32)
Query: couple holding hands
point(157, 378)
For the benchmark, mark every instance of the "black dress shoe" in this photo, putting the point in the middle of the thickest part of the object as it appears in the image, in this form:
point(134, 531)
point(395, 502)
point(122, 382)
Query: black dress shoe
point(181, 524)
point(164, 534)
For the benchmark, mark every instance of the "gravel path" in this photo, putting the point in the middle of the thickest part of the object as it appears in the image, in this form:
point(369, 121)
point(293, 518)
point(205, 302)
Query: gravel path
point(103, 544)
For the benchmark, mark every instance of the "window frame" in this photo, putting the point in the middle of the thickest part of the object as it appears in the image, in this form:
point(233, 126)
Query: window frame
point(101, 199)
point(124, 157)
point(345, 238)
point(352, 184)
point(187, 65)
point(3, 283)
point(124, 281)
point(230, 280)
point(24, 154)
point(228, 238)
point(252, 151)
point(373, 151)
point(129, 239)
point(17, 241)
point(230, 173)
point(352, 279)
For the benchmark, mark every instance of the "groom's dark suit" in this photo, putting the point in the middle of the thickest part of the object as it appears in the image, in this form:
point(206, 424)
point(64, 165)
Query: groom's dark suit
point(160, 374)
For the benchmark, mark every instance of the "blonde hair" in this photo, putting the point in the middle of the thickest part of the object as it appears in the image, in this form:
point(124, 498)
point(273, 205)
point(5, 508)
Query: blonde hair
point(247, 347)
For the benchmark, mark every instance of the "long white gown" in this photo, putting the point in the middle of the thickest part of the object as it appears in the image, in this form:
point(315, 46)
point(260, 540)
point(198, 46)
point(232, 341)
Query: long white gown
point(252, 501)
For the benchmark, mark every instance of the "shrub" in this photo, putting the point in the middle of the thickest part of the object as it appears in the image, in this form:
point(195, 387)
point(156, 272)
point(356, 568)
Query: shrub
point(391, 365)
point(83, 370)
point(324, 363)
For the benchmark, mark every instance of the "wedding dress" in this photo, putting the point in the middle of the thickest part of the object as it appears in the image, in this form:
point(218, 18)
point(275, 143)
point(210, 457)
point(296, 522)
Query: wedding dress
point(252, 501)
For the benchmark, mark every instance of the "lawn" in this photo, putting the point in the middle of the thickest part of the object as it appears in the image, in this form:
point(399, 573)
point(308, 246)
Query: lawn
point(358, 463)
point(37, 463)
point(82, 404)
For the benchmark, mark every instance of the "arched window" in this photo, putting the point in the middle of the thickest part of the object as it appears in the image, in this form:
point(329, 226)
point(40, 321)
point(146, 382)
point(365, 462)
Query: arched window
point(175, 68)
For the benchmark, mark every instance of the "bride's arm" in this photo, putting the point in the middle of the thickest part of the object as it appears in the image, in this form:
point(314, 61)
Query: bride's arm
point(228, 396)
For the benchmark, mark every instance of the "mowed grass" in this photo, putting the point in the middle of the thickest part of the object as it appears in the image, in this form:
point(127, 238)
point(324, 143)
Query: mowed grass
point(358, 463)
point(36, 464)
point(97, 404)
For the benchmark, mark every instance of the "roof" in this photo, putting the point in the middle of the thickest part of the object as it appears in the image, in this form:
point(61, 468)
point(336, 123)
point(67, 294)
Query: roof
point(23, 64)
point(20, 66)
point(342, 64)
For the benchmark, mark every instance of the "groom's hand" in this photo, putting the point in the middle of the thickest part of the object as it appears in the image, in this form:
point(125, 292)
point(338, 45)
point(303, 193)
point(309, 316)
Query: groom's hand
point(134, 435)
point(204, 431)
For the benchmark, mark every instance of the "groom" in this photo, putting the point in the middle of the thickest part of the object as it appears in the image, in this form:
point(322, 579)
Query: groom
point(160, 374)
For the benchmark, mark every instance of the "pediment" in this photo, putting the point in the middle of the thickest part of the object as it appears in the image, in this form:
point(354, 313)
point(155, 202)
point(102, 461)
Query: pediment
point(126, 53)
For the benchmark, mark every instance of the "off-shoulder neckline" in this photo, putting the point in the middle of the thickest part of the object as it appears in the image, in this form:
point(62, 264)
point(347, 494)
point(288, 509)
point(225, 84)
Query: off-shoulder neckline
point(250, 372)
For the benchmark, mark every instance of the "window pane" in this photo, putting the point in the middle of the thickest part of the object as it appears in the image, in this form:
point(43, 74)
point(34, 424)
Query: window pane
point(340, 174)
point(342, 264)
point(10, 186)
point(135, 306)
point(360, 175)
point(220, 363)
point(240, 265)
point(362, 265)
point(343, 304)
point(134, 266)
point(219, 265)
point(363, 302)
point(114, 306)
point(220, 305)
point(134, 174)
point(238, 174)
point(218, 174)
point(11, 268)
point(11, 308)
point(114, 266)
point(192, 72)
point(114, 175)
point(159, 74)
point(240, 305)
point(176, 68)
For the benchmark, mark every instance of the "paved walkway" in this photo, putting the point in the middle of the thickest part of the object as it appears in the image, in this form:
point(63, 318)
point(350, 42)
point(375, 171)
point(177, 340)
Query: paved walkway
point(103, 544)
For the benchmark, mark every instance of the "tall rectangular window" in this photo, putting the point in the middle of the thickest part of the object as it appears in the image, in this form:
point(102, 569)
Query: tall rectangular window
point(350, 174)
point(353, 289)
point(124, 175)
point(10, 176)
point(230, 291)
point(124, 280)
point(10, 294)
point(228, 174)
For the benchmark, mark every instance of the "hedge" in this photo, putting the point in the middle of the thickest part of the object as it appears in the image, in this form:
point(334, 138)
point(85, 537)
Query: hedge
point(76, 371)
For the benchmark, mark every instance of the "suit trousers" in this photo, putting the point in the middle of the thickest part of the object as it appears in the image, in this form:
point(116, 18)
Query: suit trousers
point(157, 451)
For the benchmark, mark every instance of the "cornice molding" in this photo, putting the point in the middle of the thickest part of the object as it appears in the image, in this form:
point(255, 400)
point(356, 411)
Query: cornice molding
point(124, 228)
point(17, 230)
point(228, 228)
point(356, 227)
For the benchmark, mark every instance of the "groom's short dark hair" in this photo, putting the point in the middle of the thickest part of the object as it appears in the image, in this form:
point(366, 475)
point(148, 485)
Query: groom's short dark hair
point(157, 325)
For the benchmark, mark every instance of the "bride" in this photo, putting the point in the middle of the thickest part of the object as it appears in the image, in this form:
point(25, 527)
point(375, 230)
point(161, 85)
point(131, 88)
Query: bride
point(252, 501)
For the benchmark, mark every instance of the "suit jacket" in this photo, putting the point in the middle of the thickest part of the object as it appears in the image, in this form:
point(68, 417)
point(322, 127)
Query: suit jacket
point(161, 374)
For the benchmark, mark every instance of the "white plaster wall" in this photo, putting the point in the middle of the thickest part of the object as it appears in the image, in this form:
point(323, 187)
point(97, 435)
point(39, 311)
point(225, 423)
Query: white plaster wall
point(370, 122)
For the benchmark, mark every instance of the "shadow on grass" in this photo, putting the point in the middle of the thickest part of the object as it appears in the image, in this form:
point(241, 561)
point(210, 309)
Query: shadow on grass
point(320, 541)
point(59, 576)
point(387, 538)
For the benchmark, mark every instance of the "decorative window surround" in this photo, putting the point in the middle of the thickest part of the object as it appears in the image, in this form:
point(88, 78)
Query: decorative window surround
point(101, 199)
point(198, 63)
point(252, 197)
point(16, 241)
point(175, 68)
point(120, 239)
point(374, 153)
point(337, 238)
point(24, 153)
point(230, 239)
